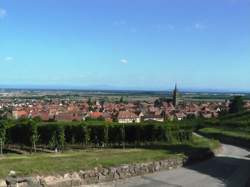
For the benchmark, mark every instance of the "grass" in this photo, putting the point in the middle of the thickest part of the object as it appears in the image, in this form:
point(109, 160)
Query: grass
point(69, 161)
point(234, 126)
point(77, 160)
point(231, 132)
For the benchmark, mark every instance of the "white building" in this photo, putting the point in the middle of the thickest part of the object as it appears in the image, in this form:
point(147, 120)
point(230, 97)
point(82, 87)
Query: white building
point(128, 117)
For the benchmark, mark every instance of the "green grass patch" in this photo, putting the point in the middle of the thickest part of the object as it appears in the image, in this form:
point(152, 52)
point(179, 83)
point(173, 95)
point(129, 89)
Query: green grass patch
point(231, 132)
point(69, 161)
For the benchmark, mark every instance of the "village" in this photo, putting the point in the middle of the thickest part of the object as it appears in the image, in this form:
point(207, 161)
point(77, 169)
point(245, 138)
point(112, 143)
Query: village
point(122, 112)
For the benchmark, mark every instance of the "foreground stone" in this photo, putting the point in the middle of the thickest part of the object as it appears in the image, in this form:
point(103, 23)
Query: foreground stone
point(100, 175)
point(2, 183)
point(96, 175)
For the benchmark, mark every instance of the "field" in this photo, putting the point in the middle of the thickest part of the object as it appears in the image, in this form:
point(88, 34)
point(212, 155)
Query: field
point(115, 95)
point(70, 161)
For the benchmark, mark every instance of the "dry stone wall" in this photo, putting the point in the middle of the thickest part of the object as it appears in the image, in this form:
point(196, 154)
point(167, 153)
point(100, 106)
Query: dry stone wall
point(96, 175)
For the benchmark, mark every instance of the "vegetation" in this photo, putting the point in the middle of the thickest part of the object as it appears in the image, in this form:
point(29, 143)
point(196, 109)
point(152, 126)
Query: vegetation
point(224, 131)
point(70, 161)
point(144, 142)
point(236, 105)
point(232, 125)
point(2, 136)
point(56, 135)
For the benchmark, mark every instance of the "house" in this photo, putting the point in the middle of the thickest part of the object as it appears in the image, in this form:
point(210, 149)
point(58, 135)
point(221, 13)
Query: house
point(19, 114)
point(107, 116)
point(100, 115)
point(180, 116)
point(153, 117)
point(44, 115)
point(95, 115)
point(207, 115)
point(67, 116)
point(128, 117)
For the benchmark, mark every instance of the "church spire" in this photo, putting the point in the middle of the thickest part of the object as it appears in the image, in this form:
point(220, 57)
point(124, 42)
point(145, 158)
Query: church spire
point(175, 95)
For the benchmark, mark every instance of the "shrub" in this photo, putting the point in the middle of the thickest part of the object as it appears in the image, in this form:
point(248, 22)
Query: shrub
point(56, 135)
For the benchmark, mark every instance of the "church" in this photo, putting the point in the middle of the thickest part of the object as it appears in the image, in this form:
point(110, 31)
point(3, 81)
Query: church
point(176, 96)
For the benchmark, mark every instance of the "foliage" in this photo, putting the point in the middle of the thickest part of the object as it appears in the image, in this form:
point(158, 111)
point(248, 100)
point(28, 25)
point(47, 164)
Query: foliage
point(24, 133)
point(97, 134)
point(69, 161)
point(236, 105)
point(121, 99)
point(2, 135)
point(228, 132)
point(231, 126)
point(52, 135)
point(33, 134)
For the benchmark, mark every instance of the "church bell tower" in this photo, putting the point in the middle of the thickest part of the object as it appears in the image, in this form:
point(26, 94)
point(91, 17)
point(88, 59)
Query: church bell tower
point(175, 96)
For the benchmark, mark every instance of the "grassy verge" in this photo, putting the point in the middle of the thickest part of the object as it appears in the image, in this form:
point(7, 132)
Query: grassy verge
point(70, 161)
point(225, 131)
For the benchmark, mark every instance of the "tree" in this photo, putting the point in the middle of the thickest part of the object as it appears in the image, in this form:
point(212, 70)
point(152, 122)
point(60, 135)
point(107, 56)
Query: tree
point(157, 103)
point(33, 134)
point(2, 136)
point(236, 105)
point(90, 104)
point(87, 135)
point(121, 99)
point(37, 119)
point(60, 137)
point(89, 101)
point(123, 136)
point(106, 135)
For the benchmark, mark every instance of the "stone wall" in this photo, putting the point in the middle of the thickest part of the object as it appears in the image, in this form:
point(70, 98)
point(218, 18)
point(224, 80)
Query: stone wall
point(2, 183)
point(96, 175)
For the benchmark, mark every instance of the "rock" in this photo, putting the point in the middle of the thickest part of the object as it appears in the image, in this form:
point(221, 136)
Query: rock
point(95, 175)
point(2, 183)
point(101, 177)
point(11, 181)
point(76, 182)
point(12, 173)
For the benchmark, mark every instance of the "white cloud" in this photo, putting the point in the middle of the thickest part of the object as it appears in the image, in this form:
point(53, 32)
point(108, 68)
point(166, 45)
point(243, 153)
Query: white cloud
point(3, 13)
point(199, 26)
point(8, 59)
point(124, 61)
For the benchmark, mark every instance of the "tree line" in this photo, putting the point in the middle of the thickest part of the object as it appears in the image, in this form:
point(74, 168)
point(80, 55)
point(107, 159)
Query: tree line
point(58, 135)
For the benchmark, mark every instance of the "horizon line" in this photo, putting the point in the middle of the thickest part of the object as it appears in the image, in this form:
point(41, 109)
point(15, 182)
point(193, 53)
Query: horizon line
point(77, 88)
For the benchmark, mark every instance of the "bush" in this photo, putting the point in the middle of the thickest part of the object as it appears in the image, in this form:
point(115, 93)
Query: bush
point(56, 135)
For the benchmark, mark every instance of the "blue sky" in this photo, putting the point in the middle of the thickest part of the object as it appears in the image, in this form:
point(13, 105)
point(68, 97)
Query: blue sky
point(124, 44)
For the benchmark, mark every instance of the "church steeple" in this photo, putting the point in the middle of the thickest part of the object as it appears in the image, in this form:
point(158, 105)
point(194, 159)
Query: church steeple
point(175, 95)
point(175, 88)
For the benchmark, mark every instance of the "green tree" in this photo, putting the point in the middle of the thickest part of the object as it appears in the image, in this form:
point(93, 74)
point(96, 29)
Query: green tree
point(123, 136)
point(90, 103)
point(236, 105)
point(157, 103)
point(33, 134)
point(87, 135)
point(106, 135)
point(2, 136)
point(121, 99)
point(60, 137)
point(37, 119)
